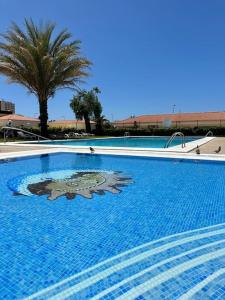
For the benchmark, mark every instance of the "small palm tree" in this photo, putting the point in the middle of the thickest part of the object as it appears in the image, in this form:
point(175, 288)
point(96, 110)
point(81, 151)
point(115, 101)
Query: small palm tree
point(85, 105)
point(98, 117)
point(42, 62)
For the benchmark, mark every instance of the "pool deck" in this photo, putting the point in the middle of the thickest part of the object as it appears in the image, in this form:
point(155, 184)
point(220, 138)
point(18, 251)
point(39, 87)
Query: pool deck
point(14, 152)
point(212, 145)
point(13, 148)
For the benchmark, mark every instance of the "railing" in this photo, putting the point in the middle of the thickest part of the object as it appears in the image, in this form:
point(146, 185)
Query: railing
point(173, 137)
point(209, 133)
point(8, 128)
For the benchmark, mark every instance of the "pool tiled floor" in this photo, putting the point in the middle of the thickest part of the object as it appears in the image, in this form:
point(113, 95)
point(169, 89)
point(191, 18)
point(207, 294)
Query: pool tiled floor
point(136, 244)
point(189, 265)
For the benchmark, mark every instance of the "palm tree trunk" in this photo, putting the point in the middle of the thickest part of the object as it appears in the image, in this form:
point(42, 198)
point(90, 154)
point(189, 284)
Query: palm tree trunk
point(99, 126)
point(43, 108)
point(87, 123)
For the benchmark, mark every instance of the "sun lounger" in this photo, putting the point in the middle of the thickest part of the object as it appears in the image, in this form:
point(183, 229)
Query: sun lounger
point(76, 134)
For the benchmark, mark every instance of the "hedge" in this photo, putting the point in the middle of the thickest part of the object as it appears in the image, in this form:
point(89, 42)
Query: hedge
point(197, 131)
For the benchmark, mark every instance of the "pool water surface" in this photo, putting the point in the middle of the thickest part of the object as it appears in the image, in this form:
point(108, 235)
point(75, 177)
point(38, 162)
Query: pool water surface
point(134, 142)
point(79, 226)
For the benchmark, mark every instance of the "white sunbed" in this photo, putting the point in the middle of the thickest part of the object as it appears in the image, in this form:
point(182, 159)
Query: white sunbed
point(76, 134)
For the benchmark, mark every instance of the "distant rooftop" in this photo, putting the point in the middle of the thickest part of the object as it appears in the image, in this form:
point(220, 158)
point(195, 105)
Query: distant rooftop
point(14, 117)
point(176, 117)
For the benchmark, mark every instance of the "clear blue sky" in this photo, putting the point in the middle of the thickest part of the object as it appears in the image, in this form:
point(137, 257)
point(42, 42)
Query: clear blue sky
point(147, 54)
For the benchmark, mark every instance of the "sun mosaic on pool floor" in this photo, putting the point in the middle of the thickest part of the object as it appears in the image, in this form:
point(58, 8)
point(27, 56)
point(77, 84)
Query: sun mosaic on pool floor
point(189, 265)
point(69, 183)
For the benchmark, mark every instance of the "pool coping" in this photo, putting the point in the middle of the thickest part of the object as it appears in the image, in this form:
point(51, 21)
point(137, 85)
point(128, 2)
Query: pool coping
point(189, 146)
point(151, 154)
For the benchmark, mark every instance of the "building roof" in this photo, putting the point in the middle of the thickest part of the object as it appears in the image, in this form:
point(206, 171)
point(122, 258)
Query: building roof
point(69, 121)
point(14, 117)
point(200, 116)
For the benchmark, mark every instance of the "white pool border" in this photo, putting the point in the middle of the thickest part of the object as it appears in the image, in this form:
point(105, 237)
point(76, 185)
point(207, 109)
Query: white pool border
point(152, 154)
point(178, 149)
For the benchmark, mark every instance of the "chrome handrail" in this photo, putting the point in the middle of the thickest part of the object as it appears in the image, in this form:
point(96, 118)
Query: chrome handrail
point(7, 128)
point(209, 133)
point(172, 138)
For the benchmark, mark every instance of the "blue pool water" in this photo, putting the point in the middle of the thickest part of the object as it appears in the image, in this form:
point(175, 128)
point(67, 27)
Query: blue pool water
point(136, 142)
point(45, 243)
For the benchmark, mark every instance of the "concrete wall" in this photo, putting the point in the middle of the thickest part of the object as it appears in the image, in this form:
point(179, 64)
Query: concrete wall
point(216, 123)
point(74, 126)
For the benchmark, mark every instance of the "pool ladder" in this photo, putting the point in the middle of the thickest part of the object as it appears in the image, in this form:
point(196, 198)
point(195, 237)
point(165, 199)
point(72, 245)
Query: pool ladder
point(173, 137)
point(209, 133)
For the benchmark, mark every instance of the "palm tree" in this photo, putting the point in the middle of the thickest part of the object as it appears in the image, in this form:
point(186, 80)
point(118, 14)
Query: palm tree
point(98, 117)
point(85, 105)
point(42, 62)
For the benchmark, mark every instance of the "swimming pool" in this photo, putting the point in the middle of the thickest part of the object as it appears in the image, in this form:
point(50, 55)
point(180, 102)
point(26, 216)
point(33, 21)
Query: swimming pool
point(134, 142)
point(113, 227)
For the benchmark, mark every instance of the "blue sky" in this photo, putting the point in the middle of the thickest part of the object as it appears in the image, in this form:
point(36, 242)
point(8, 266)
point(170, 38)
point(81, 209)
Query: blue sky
point(147, 54)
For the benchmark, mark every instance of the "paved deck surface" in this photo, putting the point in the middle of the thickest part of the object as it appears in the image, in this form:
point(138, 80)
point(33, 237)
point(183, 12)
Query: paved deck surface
point(210, 147)
point(12, 148)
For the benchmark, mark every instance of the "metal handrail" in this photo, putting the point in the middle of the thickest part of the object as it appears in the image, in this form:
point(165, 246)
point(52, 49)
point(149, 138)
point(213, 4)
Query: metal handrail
point(6, 128)
point(172, 138)
point(209, 133)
